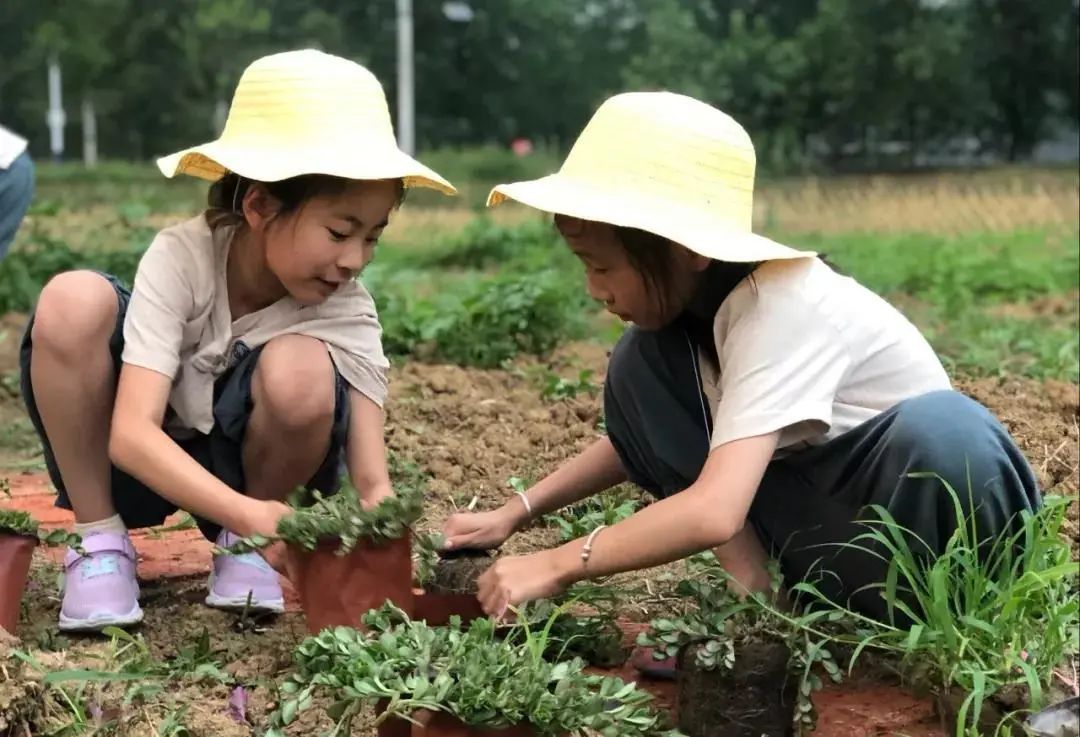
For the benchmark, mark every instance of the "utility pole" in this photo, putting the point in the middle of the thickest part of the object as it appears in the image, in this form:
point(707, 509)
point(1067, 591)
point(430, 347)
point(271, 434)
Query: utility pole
point(55, 118)
point(405, 87)
point(89, 131)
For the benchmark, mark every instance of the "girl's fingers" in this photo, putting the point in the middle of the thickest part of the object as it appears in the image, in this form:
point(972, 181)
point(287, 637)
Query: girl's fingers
point(488, 602)
point(483, 586)
point(456, 528)
point(454, 542)
point(489, 592)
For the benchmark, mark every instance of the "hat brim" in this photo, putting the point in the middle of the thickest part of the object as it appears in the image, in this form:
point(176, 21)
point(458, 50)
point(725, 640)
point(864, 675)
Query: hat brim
point(212, 160)
point(698, 230)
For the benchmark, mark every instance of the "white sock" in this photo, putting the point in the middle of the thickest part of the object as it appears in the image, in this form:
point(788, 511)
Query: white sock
point(112, 525)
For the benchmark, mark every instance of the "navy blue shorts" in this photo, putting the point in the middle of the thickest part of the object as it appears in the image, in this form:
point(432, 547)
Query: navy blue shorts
point(220, 452)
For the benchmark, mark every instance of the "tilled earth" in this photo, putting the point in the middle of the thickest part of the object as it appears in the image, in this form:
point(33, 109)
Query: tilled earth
point(471, 431)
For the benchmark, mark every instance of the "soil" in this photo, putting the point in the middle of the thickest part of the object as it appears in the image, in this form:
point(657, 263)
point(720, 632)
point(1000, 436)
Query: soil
point(472, 430)
point(458, 573)
point(1044, 418)
point(757, 697)
point(452, 590)
point(994, 711)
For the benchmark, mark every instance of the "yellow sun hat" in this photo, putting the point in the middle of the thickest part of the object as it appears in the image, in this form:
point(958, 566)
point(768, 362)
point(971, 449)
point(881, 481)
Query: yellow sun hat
point(663, 163)
point(306, 112)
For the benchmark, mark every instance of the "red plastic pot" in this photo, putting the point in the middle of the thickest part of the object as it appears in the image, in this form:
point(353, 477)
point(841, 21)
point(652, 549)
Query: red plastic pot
point(436, 609)
point(16, 552)
point(337, 590)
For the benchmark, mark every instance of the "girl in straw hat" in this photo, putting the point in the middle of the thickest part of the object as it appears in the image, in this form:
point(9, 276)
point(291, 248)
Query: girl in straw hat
point(764, 399)
point(247, 359)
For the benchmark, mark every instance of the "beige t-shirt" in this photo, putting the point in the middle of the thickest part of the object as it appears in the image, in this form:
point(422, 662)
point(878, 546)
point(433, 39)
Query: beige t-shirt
point(811, 353)
point(180, 325)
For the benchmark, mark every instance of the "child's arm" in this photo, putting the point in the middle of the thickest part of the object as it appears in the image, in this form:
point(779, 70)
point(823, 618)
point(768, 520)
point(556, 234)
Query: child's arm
point(710, 513)
point(593, 470)
point(139, 446)
point(366, 450)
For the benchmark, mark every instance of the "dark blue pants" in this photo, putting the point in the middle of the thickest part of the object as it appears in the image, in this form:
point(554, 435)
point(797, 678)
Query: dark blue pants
point(814, 500)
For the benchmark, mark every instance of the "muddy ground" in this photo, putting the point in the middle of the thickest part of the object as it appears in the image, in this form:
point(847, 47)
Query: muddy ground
point(471, 430)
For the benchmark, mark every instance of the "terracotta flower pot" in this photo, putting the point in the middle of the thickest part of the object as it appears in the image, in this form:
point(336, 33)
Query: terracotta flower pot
point(16, 551)
point(337, 590)
point(436, 609)
point(440, 724)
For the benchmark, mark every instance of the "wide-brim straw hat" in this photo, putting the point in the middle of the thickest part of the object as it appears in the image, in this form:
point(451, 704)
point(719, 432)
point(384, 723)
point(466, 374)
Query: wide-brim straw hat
point(306, 112)
point(663, 163)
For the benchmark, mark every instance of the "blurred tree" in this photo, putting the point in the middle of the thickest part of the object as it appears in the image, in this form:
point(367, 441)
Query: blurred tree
point(813, 80)
point(1025, 51)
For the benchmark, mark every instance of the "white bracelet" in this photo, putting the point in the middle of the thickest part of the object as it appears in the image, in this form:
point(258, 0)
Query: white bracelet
point(525, 501)
point(586, 550)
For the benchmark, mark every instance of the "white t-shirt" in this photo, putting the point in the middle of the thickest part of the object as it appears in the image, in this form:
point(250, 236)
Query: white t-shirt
point(11, 147)
point(811, 353)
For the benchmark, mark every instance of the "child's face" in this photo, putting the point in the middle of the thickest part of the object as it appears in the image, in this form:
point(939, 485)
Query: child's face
point(612, 279)
point(329, 240)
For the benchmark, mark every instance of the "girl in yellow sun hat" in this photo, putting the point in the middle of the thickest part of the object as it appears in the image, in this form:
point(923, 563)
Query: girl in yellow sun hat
point(765, 400)
point(247, 359)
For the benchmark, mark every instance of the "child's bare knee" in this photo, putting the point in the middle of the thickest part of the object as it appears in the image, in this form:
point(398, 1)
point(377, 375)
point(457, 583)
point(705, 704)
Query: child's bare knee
point(294, 382)
point(76, 310)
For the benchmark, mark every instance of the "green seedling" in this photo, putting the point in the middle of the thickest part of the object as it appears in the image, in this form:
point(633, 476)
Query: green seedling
point(719, 621)
point(474, 674)
point(342, 519)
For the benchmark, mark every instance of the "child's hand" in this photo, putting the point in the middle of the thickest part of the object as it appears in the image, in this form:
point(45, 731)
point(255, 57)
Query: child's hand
point(518, 579)
point(264, 520)
point(371, 499)
point(478, 531)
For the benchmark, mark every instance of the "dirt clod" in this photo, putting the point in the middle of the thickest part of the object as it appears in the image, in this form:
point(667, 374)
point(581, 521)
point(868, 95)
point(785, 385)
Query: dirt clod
point(756, 697)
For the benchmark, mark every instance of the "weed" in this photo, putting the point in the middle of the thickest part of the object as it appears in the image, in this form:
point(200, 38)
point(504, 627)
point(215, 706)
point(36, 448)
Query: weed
point(607, 508)
point(483, 244)
point(582, 624)
point(510, 315)
point(128, 664)
point(26, 270)
point(483, 321)
point(557, 388)
point(983, 618)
